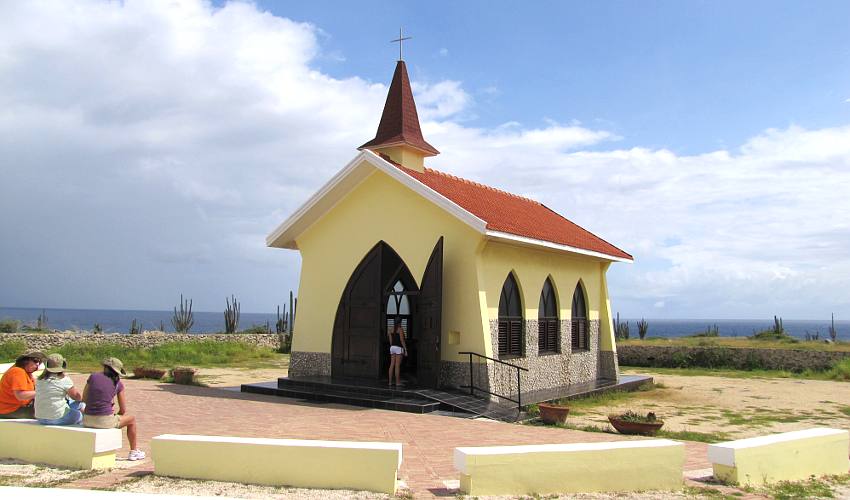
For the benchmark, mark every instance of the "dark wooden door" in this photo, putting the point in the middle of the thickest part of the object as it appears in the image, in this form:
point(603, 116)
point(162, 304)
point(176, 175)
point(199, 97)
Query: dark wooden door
point(357, 327)
point(429, 322)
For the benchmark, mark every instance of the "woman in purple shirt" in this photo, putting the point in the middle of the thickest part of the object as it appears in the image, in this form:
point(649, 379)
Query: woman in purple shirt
point(99, 394)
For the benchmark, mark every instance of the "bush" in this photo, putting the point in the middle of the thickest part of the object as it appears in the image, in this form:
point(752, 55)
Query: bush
point(83, 355)
point(11, 350)
point(9, 325)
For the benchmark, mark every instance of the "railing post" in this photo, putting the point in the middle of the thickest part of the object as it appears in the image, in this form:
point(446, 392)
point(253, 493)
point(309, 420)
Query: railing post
point(471, 381)
point(518, 392)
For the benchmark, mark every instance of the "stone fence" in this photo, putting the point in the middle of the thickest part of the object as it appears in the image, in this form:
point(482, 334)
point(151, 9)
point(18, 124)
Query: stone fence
point(47, 341)
point(741, 358)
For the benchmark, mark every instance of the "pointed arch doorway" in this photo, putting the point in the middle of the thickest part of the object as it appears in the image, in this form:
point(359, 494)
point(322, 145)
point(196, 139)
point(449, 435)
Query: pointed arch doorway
point(381, 291)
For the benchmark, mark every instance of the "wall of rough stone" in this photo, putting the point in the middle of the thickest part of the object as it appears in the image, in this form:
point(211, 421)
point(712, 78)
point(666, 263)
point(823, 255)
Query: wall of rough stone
point(546, 370)
point(47, 341)
point(309, 364)
point(727, 357)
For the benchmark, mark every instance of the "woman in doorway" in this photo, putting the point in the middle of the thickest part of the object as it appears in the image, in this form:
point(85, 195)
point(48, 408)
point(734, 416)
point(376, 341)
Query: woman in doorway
point(398, 349)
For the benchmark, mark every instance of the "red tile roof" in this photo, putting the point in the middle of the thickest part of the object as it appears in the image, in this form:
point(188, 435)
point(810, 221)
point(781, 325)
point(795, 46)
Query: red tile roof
point(399, 121)
point(510, 213)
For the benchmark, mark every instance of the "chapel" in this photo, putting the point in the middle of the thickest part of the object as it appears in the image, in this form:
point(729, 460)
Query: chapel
point(479, 278)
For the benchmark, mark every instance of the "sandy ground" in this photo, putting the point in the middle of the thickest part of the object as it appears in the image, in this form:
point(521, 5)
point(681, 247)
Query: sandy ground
point(160, 485)
point(738, 407)
point(16, 473)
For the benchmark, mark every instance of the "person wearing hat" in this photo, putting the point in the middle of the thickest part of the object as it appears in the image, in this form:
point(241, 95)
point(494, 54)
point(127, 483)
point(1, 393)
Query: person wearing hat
point(17, 387)
point(52, 392)
point(101, 390)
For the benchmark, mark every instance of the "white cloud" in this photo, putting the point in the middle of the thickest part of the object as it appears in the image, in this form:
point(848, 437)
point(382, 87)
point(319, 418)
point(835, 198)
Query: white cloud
point(146, 148)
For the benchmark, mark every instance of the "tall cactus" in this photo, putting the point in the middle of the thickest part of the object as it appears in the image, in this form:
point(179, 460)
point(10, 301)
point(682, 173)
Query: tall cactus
point(183, 320)
point(231, 315)
point(291, 312)
point(135, 328)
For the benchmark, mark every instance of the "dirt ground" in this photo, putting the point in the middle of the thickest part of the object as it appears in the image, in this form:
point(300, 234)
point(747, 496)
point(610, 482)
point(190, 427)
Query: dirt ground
point(734, 407)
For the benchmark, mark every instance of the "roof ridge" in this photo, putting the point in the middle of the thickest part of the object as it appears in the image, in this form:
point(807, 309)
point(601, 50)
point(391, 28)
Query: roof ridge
point(478, 184)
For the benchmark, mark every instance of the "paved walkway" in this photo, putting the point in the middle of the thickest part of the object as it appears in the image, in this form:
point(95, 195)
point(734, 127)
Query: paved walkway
point(428, 440)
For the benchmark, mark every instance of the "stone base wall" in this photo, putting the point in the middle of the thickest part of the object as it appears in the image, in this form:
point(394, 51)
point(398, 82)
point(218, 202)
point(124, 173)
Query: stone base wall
point(549, 370)
point(47, 341)
point(740, 358)
point(309, 364)
point(609, 368)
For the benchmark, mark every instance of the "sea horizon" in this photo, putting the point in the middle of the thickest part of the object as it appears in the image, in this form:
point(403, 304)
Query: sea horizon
point(119, 320)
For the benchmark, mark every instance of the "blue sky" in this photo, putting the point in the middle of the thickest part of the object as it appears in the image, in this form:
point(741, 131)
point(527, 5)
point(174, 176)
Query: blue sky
point(687, 76)
point(147, 148)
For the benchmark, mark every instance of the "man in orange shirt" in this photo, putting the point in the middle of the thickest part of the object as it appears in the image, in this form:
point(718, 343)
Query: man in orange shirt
point(17, 387)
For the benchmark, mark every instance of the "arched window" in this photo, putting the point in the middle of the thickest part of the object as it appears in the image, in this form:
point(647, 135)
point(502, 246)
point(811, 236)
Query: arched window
point(548, 326)
point(510, 319)
point(398, 309)
point(579, 321)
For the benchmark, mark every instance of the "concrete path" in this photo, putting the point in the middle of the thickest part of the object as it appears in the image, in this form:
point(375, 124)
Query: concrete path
point(428, 440)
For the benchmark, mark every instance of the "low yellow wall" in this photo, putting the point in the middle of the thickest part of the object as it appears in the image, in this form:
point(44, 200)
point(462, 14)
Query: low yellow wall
point(65, 446)
point(571, 468)
point(790, 456)
point(279, 462)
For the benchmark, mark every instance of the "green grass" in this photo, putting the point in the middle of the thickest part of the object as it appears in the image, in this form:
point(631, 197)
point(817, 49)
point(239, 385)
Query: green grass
point(702, 437)
point(845, 410)
point(792, 490)
point(839, 372)
point(740, 342)
point(11, 350)
point(203, 353)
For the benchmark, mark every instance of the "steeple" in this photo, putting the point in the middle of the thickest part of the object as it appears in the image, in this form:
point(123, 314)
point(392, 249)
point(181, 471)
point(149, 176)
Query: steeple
point(399, 135)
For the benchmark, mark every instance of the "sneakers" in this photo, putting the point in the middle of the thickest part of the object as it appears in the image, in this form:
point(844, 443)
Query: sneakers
point(136, 455)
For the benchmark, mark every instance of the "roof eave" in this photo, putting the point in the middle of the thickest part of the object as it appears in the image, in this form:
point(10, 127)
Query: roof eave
point(524, 240)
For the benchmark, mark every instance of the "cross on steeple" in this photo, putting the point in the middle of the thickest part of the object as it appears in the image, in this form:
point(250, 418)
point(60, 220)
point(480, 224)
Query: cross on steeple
point(401, 38)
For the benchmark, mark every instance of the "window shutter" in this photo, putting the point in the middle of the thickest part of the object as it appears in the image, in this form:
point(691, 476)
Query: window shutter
point(503, 337)
point(516, 338)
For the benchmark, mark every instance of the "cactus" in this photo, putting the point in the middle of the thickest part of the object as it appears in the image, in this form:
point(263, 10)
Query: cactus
point(41, 322)
point(291, 320)
point(161, 326)
point(778, 329)
point(135, 328)
point(184, 319)
point(97, 328)
point(643, 327)
point(231, 315)
point(833, 334)
point(621, 330)
point(280, 324)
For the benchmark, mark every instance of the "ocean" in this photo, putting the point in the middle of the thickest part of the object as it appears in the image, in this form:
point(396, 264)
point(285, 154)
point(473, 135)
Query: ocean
point(120, 320)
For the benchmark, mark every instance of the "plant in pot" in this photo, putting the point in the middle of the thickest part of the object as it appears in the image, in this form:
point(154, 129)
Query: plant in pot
point(184, 375)
point(631, 422)
point(553, 413)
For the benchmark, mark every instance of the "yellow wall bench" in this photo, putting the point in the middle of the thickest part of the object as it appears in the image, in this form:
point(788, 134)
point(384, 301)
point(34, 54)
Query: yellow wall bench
point(65, 446)
point(789, 456)
point(654, 464)
point(282, 462)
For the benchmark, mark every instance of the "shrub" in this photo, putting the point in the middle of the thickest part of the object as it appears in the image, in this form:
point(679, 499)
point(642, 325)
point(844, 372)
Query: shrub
point(710, 331)
point(11, 350)
point(9, 325)
point(257, 329)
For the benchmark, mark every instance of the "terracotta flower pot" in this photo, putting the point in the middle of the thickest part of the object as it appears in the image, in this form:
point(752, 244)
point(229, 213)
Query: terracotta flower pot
point(553, 414)
point(185, 376)
point(639, 428)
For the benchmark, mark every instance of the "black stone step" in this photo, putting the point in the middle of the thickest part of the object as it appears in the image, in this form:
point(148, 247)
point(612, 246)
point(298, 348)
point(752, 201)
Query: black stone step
point(459, 403)
point(396, 402)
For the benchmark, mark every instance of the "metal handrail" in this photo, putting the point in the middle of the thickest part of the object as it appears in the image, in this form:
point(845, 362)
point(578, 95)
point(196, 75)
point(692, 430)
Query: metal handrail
point(473, 388)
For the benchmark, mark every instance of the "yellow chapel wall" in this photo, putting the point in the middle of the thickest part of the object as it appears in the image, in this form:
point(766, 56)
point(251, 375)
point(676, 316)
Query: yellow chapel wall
point(381, 208)
point(532, 266)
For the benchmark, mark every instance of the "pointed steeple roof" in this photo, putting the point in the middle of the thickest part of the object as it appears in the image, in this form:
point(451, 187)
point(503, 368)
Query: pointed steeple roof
point(400, 123)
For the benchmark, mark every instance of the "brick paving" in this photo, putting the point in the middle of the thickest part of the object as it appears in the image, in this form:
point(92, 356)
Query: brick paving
point(428, 440)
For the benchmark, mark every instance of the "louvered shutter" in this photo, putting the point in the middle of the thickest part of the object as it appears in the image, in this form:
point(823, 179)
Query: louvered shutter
point(515, 338)
point(503, 337)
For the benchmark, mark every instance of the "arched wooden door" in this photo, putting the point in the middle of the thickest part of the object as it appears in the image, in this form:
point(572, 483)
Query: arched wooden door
point(357, 327)
point(359, 332)
point(429, 321)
